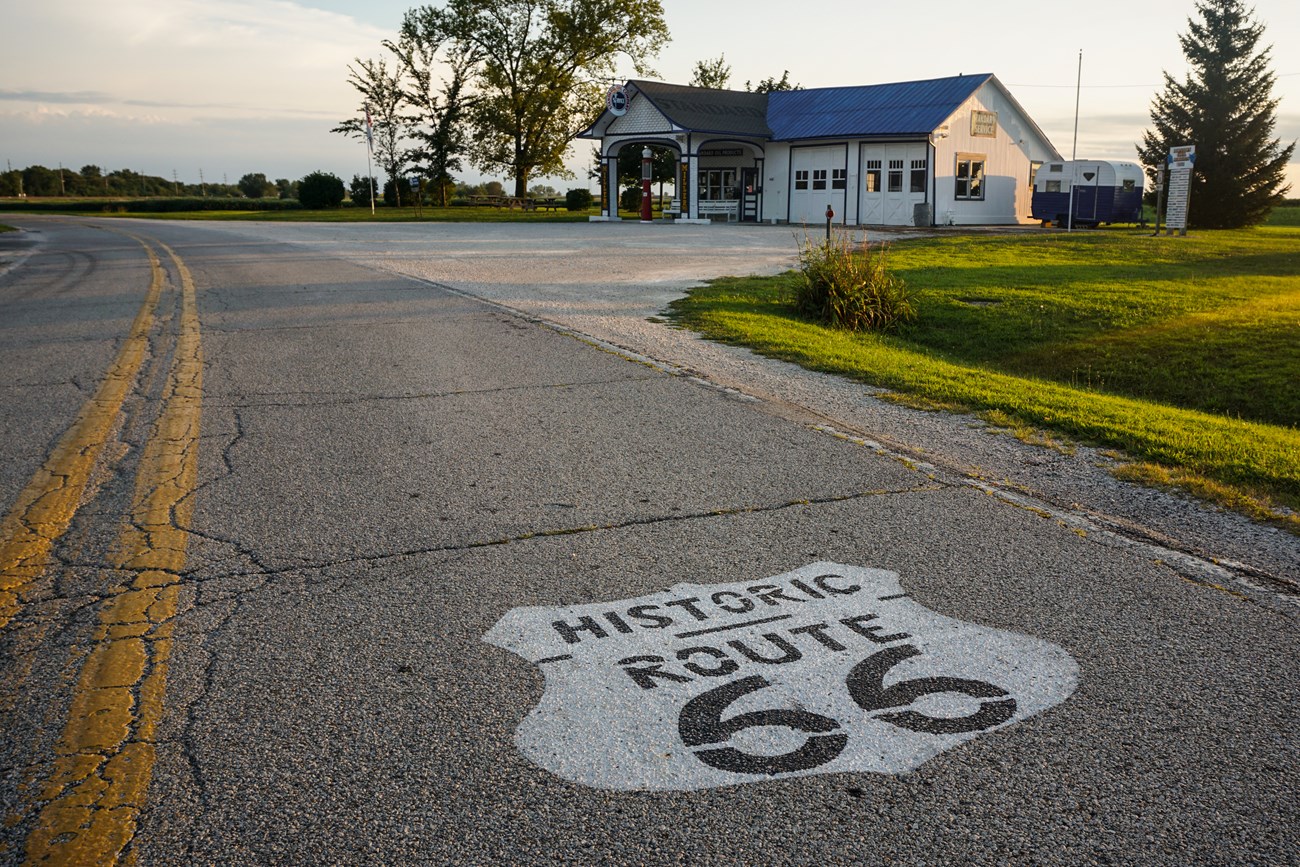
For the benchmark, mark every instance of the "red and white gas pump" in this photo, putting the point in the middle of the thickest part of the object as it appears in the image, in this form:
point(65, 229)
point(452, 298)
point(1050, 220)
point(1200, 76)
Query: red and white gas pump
point(647, 159)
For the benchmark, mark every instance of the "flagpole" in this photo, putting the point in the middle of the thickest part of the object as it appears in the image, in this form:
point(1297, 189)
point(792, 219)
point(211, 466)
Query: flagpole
point(370, 147)
point(1074, 149)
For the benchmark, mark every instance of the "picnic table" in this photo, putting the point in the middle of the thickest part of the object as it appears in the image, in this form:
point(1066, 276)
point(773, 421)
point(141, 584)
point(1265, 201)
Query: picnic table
point(522, 202)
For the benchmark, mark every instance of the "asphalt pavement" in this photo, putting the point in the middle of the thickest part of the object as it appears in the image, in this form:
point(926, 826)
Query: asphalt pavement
point(470, 577)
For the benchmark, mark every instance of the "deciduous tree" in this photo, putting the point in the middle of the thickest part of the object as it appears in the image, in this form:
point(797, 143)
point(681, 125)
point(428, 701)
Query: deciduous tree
point(439, 105)
point(382, 92)
point(770, 84)
point(1225, 108)
point(538, 82)
point(254, 185)
point(713, 74)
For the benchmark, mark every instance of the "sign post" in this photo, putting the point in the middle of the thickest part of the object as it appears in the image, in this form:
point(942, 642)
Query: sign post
point(415, 191)
point(1180, 161)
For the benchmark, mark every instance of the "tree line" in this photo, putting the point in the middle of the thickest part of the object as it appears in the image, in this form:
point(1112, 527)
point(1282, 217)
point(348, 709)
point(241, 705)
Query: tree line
point(91, 180)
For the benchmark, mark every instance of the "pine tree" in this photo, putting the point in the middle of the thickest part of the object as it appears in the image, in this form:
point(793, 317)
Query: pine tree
point(1225, 108)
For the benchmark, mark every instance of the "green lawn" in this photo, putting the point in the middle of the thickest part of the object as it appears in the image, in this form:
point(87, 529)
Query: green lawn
point(1182, 352)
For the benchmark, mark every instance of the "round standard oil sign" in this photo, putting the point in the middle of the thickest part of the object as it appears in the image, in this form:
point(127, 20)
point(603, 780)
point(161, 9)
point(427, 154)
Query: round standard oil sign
point(825, 669)
point(616, 100)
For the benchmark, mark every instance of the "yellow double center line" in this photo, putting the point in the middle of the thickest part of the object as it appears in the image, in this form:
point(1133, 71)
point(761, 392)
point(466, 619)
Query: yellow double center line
point(105, 757)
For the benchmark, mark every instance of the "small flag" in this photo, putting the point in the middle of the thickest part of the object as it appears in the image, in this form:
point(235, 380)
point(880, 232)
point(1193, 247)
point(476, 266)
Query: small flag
point(370, 132)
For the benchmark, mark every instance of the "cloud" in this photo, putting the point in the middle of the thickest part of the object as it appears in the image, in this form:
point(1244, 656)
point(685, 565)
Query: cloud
point(263, 57)
point(80, 97)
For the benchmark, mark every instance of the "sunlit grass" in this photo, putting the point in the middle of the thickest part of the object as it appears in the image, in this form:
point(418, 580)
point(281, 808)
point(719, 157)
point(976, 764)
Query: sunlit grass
point(1182, 352)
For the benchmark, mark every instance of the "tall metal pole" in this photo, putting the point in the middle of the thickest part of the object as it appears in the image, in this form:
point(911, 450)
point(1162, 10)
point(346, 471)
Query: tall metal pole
point(1074, 149)
point(370, 144)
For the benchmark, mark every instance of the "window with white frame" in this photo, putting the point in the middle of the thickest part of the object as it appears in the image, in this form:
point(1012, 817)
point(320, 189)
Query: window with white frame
point(819, 179)
point(717, 184)
point(801, 179)
point(918, 177)
point(895, 176)
point(872, 177)
point(839, 179)
point(970, 177)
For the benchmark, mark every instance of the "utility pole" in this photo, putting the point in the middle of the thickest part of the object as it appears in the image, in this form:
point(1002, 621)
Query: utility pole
point(176, 184)
point(203, 184)
point(63, 191)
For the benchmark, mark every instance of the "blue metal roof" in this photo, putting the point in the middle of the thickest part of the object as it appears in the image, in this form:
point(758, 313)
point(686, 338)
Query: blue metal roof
point(905, 108)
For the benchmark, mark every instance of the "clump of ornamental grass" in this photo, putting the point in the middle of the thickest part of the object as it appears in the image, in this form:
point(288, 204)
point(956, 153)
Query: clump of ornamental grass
point(849, 285)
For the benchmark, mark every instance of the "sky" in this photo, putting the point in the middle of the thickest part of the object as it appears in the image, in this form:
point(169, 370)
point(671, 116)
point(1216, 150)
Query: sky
point(227, 87)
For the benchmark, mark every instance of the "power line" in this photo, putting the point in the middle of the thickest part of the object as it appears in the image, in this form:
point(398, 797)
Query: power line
point(1120, 86)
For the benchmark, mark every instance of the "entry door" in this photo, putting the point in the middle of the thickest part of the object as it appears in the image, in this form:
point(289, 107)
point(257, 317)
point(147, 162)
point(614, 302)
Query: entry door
point(749, 195)
point(1085, 194)
point(819, 179)
point(872, 194)
point(906, 181)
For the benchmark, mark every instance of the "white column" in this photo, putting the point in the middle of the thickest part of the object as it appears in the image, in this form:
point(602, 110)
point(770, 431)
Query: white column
point(693, 181)
point(611, 187)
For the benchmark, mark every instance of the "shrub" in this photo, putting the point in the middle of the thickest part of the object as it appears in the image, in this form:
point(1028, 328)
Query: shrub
point(359, 190)
point(848, 286)
point(577, 200)
point(630, 199)
point(320, 190)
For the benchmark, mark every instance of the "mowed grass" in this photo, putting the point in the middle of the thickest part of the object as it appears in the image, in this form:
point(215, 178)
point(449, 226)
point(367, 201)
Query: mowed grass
point(1182, 352)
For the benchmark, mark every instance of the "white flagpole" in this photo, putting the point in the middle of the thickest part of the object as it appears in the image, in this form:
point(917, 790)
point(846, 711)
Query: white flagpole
point(1074, 149)
point(370, 147)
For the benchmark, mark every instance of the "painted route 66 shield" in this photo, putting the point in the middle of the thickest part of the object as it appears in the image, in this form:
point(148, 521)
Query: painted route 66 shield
point(824, 669)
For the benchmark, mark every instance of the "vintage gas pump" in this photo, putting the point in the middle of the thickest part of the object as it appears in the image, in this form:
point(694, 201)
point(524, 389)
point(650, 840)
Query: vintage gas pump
point(646, 160)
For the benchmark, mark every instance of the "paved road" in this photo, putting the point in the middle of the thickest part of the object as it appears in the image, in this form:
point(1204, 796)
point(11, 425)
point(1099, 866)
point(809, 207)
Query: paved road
point(307, 561)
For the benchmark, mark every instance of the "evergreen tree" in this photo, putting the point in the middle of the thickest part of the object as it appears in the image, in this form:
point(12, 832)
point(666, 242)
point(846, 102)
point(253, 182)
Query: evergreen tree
point(1225, 108)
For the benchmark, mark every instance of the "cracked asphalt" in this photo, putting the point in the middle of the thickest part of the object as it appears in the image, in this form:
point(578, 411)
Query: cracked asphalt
point(409, 432)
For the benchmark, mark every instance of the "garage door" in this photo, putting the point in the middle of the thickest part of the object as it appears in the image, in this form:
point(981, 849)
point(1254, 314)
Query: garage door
point(818, 178)
point(895, 178)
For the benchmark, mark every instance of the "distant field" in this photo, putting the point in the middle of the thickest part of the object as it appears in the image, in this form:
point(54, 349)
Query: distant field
point(1183, 352)
point(1287, 216)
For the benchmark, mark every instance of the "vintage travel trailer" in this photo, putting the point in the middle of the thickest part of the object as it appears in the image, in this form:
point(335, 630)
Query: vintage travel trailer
point(950, 151)
point(1105, 191)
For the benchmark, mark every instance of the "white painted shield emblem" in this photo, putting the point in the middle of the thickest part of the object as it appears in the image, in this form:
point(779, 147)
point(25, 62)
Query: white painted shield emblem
point(825, 669)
